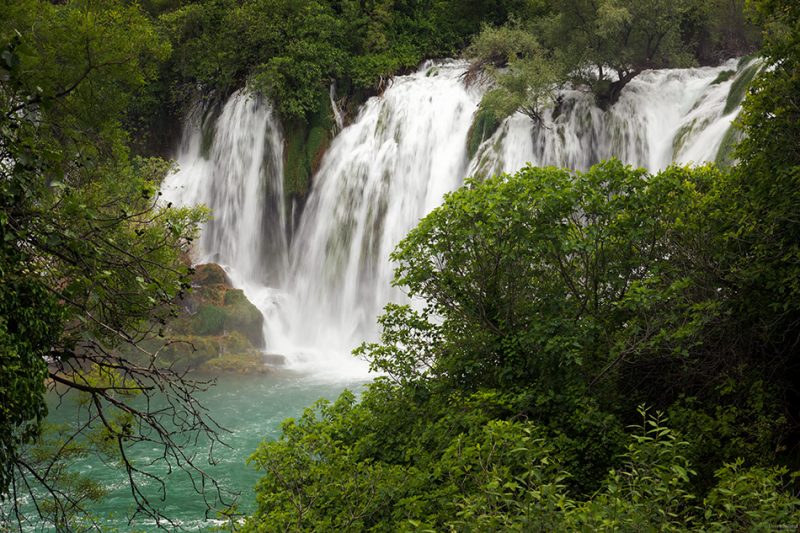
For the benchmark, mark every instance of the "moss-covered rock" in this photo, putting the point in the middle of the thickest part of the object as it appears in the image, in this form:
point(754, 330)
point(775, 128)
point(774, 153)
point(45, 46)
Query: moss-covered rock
point(484, 124)
point(243, 316)
point(214, 307)
point(208, 129)
point(187, 352)
point(747, 71)
point(723, 76)
point(231, 352)
point(679, 140)
point(199, 353)
point(725, 155)
point(209, 274)
point(306, 143)
point(216, 322)
point(234, 364)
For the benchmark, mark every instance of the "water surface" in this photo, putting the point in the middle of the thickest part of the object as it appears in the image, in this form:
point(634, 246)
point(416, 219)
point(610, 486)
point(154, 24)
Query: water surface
point(251, 407)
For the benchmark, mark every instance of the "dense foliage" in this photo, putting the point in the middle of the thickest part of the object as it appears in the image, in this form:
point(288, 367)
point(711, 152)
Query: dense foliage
point(293, 49)
point(600, 47)
point(89, 260)
point(556, 303)
point(552, 305)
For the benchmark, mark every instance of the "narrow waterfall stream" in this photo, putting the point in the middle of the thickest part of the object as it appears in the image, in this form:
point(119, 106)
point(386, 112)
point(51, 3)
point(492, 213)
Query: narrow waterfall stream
point(405, 149)
point(238, 174)
point(379, 177)
point(233, 163)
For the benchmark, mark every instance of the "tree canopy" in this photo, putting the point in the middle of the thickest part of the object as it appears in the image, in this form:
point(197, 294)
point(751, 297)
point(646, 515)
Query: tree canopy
point(293, 50)
point(600, 47)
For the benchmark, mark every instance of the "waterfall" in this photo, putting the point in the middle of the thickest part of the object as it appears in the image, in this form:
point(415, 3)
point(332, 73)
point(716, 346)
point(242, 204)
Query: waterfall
point(389, 168)
point(379, 177)
point(231, 160)
point(662, 116)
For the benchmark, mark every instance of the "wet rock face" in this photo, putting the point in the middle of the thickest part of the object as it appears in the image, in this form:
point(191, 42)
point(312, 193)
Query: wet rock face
point(218, 329)
point(214, 307)
point(210, 274)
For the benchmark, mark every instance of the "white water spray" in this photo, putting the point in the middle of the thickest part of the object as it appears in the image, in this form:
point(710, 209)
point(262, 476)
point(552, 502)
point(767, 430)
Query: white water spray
point(379, 177)
point(233, 163)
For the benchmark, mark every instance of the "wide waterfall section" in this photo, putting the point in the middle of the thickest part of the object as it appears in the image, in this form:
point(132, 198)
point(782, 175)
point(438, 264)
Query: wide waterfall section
point(321, 294)
point(662, 116)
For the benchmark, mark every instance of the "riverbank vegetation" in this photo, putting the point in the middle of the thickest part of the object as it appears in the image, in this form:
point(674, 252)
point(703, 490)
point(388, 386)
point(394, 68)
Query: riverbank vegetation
point(596, 350)
point(90, 261)
point(607, 350)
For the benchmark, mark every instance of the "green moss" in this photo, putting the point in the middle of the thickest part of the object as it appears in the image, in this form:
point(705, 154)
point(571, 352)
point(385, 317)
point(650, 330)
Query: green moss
point(189, 351)
point(680, 138)
point(744, 60)
point(235, 297)
point(316, 144)
point(232, 352)
point(725, 153)
point(484, 124)
point(252, 363)
point(243, 316)
point(723, 76)
point(209, 320)
point(208, 128)
point(216, 321)
point(236, 342)
point(210, 294)
point(306, 142)
point(297, 172)
point(739, 86)
point(220, 310)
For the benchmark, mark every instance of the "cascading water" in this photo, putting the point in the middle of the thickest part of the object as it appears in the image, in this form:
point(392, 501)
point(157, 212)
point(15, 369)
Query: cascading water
point(662, 116)
point(389, 168)
point(233, 163)
point(379, 177)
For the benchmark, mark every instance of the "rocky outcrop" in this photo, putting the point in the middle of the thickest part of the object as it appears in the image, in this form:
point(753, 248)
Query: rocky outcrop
point(218, 329)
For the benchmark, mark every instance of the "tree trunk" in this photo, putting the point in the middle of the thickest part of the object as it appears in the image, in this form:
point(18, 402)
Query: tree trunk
point(607, 95)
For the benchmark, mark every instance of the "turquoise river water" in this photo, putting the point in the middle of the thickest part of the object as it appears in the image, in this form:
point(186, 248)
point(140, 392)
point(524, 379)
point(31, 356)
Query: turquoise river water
point(251, 407)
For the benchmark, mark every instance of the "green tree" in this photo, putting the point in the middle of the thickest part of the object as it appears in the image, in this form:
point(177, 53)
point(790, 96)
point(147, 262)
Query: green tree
point(766, 184)
point(555, 302)
point(600, 46)
point(90, 261)
point(529, 75)
point(535, 274)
